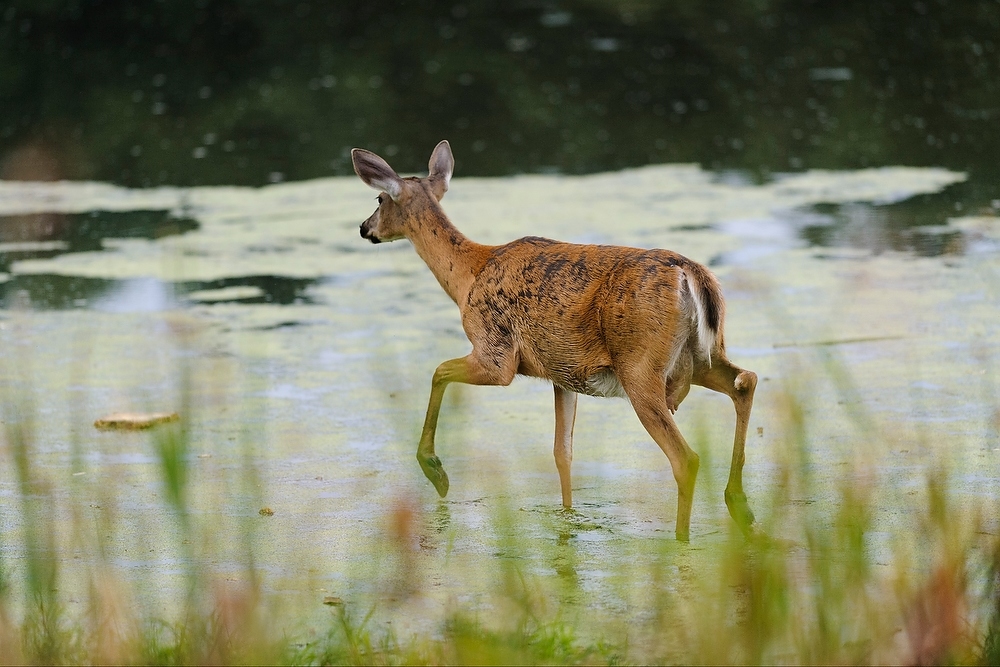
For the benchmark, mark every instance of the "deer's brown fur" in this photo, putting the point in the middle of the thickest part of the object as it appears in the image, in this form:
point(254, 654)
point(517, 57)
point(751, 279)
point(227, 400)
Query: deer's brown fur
point(592, 319)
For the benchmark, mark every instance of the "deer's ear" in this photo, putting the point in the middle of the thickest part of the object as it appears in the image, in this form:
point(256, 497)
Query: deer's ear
point(441, 166)
point(376, 172)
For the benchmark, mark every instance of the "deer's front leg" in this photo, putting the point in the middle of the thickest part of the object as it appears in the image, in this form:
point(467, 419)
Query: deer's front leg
point(468, 370)
point(563, 448)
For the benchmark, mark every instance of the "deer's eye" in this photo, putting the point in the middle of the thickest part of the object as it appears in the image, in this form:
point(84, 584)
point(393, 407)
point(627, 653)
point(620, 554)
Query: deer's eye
point(379, 199)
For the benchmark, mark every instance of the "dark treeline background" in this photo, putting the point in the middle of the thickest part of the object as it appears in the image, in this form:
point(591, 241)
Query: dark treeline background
point(189, 92)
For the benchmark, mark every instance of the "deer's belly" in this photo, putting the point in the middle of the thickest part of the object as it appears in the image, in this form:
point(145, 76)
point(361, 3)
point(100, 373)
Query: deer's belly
point(577, 367)
point(604, 383)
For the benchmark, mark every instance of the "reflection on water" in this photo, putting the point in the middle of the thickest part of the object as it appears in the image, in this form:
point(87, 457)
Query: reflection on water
point(875, 229)
point(918, 225)
point(47, 234)
point(55, 292)
point(249, 290)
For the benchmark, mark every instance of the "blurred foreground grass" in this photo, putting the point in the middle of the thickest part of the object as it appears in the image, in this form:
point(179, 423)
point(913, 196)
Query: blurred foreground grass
point(818, 585)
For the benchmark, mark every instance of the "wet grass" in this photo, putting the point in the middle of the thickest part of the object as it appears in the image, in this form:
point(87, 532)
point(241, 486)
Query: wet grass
point(819, 583)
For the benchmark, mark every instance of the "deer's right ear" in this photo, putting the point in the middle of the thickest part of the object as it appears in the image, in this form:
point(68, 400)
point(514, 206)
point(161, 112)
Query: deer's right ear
point(441, 166)
point(376, 172)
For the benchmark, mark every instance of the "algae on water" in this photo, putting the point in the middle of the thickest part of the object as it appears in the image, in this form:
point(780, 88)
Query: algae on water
point(327, 393)
point(304, 230)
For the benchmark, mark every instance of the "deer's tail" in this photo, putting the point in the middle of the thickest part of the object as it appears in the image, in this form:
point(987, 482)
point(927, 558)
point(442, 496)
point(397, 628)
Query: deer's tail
point(709, 309)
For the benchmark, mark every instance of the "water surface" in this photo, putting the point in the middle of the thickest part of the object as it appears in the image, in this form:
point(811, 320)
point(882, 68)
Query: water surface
point(302, 357)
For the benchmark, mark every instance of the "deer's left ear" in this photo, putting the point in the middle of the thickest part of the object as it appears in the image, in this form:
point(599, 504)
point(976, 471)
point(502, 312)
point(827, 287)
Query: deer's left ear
point(441, 166)
point(376, 172)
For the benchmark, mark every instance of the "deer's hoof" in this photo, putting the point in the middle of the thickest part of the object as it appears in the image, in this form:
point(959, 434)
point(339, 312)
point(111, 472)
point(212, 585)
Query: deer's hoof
point(739, 509)
point(434, 471)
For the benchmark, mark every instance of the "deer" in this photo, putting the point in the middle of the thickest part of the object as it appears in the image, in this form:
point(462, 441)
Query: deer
point(599, 320)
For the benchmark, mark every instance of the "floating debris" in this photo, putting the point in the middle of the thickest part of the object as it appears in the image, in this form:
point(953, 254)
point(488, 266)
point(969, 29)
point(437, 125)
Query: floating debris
point(134, 421)
point(332, 601)
point(266, 511)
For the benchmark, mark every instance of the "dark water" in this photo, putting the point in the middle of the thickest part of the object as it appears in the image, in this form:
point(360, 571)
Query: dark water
point(55, 292)
point(80, 232)
point(223, 92)
point(205, 92)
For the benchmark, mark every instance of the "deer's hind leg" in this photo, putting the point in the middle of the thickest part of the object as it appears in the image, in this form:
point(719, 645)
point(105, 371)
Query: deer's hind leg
point(498, 369)
point(739, 385)
point(647, 392)
point(679, 380)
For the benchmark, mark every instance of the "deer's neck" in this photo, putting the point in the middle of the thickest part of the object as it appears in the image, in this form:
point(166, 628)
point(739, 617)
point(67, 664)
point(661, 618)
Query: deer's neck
point(453, 259)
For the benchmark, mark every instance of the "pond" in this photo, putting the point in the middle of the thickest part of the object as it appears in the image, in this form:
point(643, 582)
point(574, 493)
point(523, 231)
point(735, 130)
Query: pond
point(860, 262)
point(296, 348)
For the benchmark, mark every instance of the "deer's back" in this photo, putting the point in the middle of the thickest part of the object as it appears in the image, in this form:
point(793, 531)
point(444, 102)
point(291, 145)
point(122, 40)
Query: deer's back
point(572, 312)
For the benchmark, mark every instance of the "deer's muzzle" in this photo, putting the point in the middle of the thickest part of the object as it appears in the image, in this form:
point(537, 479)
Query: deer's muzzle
point(367, 234)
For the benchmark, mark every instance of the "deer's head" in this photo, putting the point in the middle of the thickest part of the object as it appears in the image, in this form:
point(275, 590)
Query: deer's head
point(401, 200)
